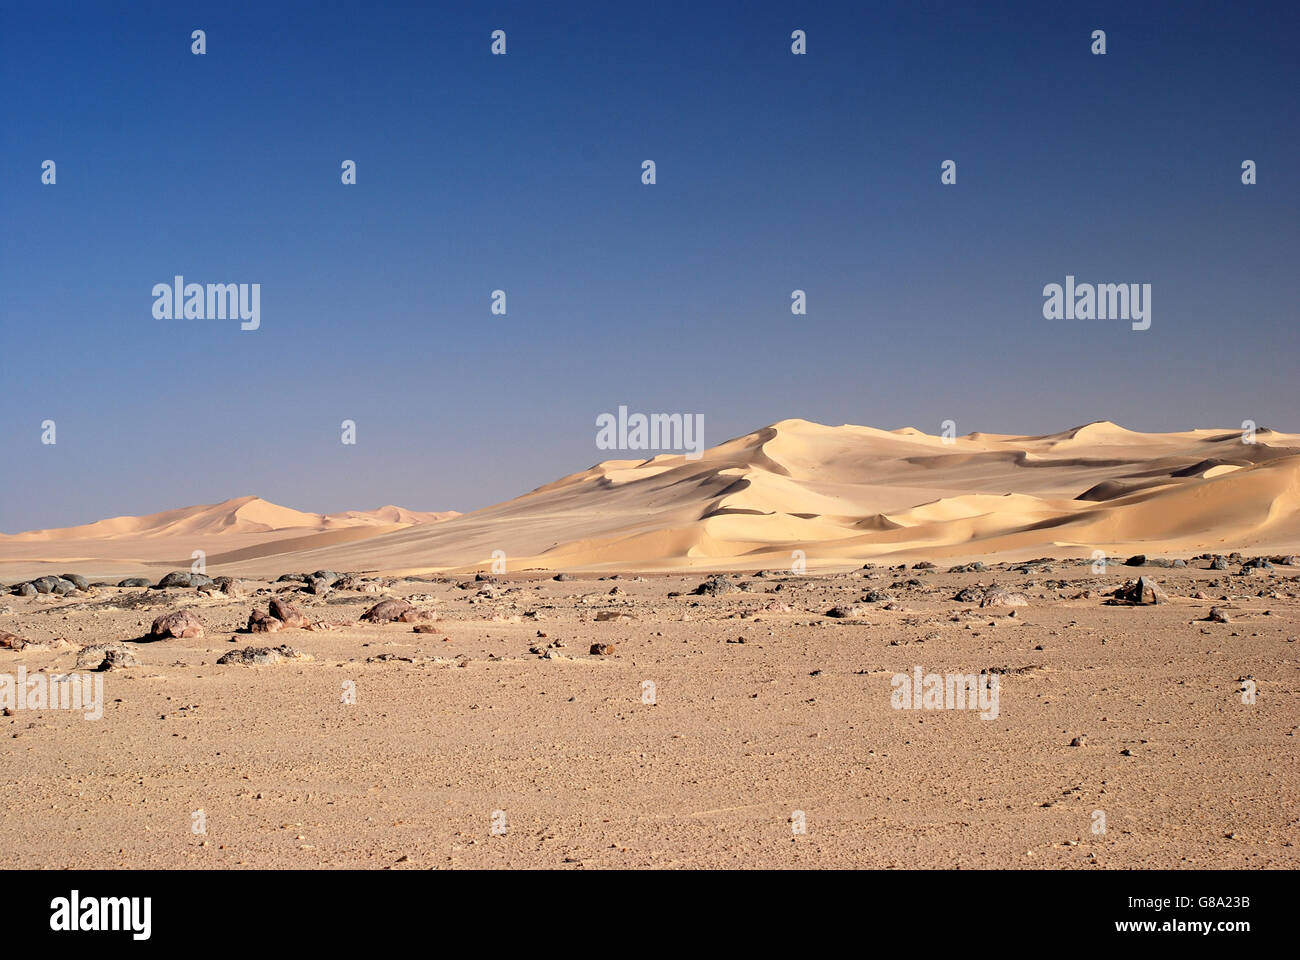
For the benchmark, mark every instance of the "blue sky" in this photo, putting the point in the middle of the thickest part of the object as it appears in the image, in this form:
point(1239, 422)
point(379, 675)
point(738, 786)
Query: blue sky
point(477, 172)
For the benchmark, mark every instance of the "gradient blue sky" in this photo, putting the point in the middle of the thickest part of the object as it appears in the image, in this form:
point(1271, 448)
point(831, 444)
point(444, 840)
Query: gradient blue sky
point(522, 172)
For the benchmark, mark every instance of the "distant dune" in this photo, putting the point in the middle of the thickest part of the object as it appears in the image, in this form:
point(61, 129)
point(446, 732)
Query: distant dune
point(841, 495)
point(242, 526)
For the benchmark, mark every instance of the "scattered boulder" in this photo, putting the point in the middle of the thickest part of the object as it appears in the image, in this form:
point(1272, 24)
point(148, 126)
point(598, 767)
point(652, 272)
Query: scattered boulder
point(262, 656)
point(561, 577)
point(11, 641)
point(77, 580)
point(1219, 563)
point(133, 582)
point(877, 596)
point(716, 586)
point(1000, 597)
point(45, 584)
point(180, 578)
point(287, 613)
point(318, 586)
point(259, 622)
point(602, 649)
point(181, 625)
point(329, 576)
point(231, 587)
point(969, 595)
point(1217, 615)
point(852, 612)
point(605, 615)
point(1136, 560)
point(105, 656)
point(25, 590)
point(63, 587)
point(358, 584)
point(1142, 591)
point(292, 578)
point(415, 615)
point(386, 611)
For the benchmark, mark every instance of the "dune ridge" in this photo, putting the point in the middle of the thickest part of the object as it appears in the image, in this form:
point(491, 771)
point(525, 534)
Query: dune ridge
point(838, 495)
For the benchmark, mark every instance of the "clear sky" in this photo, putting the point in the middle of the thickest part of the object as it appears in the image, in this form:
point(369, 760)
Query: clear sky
point(523, 173)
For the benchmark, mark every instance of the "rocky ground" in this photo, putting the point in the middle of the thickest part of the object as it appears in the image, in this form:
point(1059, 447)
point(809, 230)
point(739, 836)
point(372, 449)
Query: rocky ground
point(586, 721)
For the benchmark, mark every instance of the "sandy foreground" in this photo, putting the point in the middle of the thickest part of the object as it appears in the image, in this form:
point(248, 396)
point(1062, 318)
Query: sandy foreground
point(763, 706)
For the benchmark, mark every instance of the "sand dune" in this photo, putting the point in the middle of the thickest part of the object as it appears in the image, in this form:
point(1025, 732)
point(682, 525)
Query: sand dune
point(244, 526)
point(841, 495)
point(850, 494)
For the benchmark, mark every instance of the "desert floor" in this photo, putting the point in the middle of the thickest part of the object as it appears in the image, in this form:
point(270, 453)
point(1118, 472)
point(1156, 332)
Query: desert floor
point(504, 708)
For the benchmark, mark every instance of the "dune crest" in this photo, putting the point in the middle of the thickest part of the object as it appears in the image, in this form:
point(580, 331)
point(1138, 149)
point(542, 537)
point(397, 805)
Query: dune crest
point(835, 495)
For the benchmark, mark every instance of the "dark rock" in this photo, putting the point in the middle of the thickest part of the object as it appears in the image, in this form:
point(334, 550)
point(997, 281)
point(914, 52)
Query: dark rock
point(1143, 591)
point(180, 578)
point(1136, 561)
point(25, 590)
point(133, 582)
point(602, 649)
point(716, 586)
point(80, 582)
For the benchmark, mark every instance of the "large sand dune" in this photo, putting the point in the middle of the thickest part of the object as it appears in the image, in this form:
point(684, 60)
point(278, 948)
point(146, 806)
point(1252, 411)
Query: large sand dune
point(839, 494)
point(850, 494)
